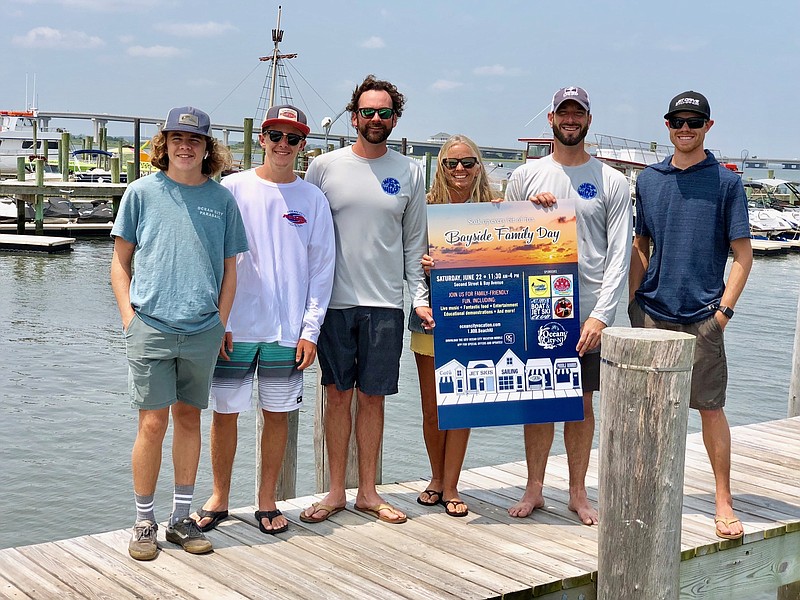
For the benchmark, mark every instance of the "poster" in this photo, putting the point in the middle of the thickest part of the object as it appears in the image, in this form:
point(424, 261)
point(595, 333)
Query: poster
point(505, 300)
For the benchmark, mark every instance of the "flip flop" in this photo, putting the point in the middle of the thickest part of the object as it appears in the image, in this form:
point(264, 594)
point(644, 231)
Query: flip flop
point(430, 501)
point(728, 523)
point(375, 511)
point(269, 515)
point(216, 516)
point(455, 502)
point(317, 506)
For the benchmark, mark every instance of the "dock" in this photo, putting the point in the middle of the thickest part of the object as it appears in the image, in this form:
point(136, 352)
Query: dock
point(35, 243)
point(548, 556)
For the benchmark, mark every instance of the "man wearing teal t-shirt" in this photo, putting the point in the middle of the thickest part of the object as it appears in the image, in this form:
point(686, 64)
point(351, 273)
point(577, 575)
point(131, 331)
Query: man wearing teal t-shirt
point(185, 232)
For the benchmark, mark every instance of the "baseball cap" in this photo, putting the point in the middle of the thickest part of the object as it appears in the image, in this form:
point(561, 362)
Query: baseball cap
point(288, 115)
point(188, 118)
point(691, 102)
point(577, 94)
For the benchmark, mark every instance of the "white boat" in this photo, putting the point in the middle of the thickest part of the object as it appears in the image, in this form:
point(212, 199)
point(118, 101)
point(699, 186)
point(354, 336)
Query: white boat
point(768, 222)
point(17, 139)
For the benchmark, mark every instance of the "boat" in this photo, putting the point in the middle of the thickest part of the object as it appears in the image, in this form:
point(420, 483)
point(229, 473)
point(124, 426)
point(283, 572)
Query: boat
point(767, 221)
point(17, 132)
point(94, 166)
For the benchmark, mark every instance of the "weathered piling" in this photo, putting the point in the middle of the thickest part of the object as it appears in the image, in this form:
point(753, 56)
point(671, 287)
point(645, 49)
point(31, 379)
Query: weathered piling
point(645, 377)
point(21, 199)
point(63, 156)
point(39, 204)
point(794, 382)
point(247, 157)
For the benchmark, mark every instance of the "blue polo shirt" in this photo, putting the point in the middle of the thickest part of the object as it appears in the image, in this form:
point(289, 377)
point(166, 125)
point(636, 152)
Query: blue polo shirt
point(691, 215)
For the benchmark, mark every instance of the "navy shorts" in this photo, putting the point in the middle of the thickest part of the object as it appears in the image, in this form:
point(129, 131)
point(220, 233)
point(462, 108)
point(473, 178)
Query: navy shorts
point(360, 347)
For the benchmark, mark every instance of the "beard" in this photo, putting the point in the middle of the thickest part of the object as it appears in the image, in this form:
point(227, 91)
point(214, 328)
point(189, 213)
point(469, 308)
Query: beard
point(570, 139)
point(374, 135)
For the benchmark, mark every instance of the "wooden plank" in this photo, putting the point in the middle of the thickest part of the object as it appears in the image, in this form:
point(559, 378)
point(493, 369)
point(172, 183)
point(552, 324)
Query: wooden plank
point(36, 581)
point(10, 591)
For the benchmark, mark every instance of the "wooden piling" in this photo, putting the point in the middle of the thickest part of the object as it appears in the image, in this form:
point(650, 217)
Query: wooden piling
point(428, 174)
point(114, 169)
point(21, 199)
point(794, 382)
point(645, 378)
point(247, 158)
point(63, 156)
point(39, 203)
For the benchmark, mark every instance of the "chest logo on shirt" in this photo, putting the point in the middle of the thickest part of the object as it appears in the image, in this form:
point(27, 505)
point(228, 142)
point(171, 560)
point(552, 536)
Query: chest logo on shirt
point(587, 191)
point(296, 218)
point(391, 186)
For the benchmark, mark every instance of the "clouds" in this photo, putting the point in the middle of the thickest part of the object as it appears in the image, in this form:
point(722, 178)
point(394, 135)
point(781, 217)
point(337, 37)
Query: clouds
point(497, 71)
point(155, 51)
point(445, 85)
point(204, 30)
point(48, 38)
point(373, 42)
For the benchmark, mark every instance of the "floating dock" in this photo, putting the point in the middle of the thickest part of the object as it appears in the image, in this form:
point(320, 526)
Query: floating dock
point(35, 243)
point(547, 556)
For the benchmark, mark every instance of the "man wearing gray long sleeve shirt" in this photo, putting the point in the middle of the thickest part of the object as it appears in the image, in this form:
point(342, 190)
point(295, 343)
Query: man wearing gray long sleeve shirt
point(377, 199)
point(603, 221)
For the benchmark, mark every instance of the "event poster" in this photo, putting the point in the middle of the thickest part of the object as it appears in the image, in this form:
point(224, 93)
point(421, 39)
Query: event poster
point(504, 292)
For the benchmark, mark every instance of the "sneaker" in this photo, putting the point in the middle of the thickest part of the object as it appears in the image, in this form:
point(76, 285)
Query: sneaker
point(188, 536)
point(143, 544)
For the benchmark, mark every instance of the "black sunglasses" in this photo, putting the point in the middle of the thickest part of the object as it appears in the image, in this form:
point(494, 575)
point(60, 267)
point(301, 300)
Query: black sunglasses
point(692, 122)
point(383, 113)
point(276, 136)
point(467, 163)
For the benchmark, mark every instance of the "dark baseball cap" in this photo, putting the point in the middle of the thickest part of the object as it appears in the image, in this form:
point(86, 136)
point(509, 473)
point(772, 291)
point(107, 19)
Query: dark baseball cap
point(690, 102)
point(577, 94)
point(188, 118)
point(288, 115)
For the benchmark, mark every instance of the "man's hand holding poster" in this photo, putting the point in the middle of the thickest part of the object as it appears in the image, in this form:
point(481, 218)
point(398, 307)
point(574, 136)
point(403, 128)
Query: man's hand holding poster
point(504, 292)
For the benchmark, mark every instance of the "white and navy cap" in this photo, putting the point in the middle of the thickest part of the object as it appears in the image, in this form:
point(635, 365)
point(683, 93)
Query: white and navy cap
point(577, 94)
point(188, 118)
point(690, 102)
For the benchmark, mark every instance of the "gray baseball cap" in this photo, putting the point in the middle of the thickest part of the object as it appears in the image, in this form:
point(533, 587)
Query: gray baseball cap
point(188, 118)
point(575, 93)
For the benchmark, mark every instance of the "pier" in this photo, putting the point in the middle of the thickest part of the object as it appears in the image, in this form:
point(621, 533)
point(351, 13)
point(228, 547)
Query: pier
point(547, 556)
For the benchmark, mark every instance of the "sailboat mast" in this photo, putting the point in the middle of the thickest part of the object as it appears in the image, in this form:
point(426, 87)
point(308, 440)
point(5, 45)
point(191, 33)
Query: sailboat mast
point(277, 37)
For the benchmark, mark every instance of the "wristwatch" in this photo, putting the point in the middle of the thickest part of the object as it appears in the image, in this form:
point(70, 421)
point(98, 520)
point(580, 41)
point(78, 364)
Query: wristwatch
point(728, 312)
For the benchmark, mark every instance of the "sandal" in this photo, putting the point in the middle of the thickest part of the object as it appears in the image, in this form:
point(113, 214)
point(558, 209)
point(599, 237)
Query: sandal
point(269, 515)
point(451, 505)
point(430, 501)
point(216, 516)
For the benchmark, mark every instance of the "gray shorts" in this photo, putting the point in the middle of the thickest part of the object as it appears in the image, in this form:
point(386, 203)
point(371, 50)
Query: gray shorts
point(361, 347)
point(164, 368)
point(710, 369)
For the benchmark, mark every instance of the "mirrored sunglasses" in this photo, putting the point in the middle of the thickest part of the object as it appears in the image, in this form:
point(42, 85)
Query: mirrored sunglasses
point(383, 113)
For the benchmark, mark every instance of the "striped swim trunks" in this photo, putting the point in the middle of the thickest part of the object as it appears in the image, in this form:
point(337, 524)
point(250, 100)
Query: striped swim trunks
point(280, 384)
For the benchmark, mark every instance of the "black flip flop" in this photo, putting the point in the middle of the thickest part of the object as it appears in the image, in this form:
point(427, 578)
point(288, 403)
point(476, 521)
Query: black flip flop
point(269, 514)
point(216, 516)
point(452, 511)
point(430, 502)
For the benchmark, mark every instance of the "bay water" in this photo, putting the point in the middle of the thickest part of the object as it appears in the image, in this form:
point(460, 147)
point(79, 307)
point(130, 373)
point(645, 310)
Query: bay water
point(67, 429)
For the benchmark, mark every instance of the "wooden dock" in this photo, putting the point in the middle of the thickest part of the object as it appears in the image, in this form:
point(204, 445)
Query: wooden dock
point(487, 554)
point(35, 243)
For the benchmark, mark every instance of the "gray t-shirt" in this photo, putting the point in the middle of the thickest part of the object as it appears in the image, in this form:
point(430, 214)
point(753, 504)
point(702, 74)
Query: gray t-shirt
point(603, 220)
point(182, 234)
point(380, 225)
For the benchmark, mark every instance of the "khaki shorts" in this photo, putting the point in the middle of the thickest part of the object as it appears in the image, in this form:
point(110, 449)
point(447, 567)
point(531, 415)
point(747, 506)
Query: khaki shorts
point(422, 343)
point(710, 369)
point(164, 368)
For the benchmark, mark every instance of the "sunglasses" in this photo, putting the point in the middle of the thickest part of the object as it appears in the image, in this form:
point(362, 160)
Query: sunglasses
point(467, 163)
point(383, 113)
point(692, 122)
point(276, 136)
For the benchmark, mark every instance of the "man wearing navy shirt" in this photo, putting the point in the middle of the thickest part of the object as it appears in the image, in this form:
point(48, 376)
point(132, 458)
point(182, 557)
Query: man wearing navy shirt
point(694, 211)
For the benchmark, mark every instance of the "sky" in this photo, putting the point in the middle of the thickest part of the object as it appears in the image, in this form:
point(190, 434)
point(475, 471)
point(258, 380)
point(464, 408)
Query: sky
point(487, 69)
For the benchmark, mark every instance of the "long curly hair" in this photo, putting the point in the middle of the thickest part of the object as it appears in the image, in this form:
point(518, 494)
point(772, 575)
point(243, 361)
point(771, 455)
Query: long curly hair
point(440, 190)
point(219, 155)
point(370, 83)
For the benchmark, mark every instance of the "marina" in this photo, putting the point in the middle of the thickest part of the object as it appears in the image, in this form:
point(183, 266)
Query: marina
point(548, 556)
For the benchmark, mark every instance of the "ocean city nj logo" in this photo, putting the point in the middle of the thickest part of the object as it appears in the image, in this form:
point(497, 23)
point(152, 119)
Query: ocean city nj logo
point(587, 190)
point(551, 336)
point(391, 186)
point(296, 218)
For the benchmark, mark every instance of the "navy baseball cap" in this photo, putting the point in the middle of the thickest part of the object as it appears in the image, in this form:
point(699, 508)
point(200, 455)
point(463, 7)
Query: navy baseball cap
point(690, 102)
point(188, 118)
point(577, 94)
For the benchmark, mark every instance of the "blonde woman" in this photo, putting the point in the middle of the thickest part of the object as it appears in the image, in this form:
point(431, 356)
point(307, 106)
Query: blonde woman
point(460, 177)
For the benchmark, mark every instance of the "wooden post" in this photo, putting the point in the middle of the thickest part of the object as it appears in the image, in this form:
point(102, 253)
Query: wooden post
point(323, 475)
point(287, 479)
point(22, 198)
point(130, 173)
point(88, 142)
point(115, 169)
point(247, 158)
point(63, 156)
point(137, 144)
point(794, 382)
point(645, 378)
point(428, 175)
point(404, 146)
point(790, 591)
point(39, 219)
